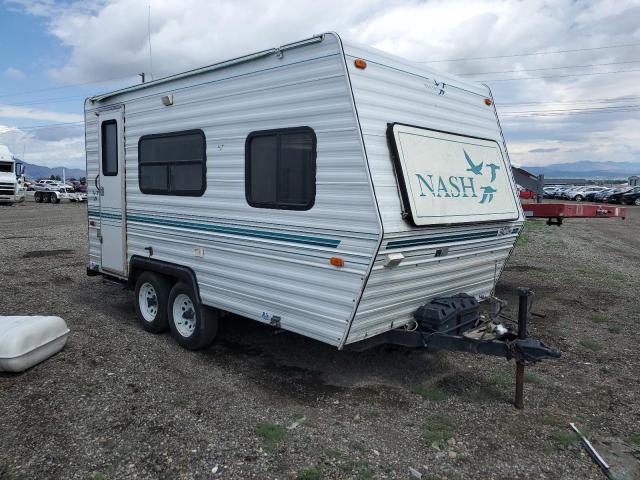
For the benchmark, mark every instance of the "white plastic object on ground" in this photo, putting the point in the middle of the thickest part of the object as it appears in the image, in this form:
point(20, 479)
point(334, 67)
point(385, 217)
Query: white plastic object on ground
point(28, 340)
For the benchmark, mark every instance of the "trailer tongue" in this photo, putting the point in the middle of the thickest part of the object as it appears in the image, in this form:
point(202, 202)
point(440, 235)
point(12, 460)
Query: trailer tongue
point(454, 323)
point(555, 213)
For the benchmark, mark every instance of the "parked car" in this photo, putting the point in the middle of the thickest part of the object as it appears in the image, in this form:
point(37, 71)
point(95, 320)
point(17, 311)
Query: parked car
point(549, 192)
point(597, 196)
point(560, 191)
point(631, 198)
point(616, 195)
point(47, 185)
point(568, 192)
point(582, 193)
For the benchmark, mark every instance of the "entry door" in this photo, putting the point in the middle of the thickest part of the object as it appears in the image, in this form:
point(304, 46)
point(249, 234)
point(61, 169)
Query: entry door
point(112, 191)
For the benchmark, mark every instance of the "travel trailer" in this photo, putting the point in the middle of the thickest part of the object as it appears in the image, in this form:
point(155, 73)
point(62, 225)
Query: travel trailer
point(12, 189)
point(322, 187)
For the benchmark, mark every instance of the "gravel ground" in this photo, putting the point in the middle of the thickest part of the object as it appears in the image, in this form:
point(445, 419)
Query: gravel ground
point(118, 402)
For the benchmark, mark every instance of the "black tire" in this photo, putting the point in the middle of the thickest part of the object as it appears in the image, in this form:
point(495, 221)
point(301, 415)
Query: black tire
point(55, 198)
point(47, 198)
point(37, 197)
point(203, 322)
point(579, 198)
point(636, 202)
point(161, 286)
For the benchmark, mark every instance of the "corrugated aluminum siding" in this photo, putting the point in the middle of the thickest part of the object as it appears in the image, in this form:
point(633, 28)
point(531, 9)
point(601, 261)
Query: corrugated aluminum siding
point(259, 262)
point(394, 90)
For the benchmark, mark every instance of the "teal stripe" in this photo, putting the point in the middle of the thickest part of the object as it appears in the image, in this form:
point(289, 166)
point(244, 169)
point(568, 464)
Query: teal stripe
point(109, 216)
point(414, 242)
point(245, 232)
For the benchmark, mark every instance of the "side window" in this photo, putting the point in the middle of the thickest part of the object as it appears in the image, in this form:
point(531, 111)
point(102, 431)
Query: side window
point(109, 134)
point(280, 168)
point(173, 163)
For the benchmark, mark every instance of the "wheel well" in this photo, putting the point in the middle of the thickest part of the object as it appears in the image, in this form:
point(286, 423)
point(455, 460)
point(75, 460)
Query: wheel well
point(138, 265)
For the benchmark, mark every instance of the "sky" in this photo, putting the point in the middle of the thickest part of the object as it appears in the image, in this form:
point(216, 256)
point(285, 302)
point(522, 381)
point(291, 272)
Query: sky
point(564, 74)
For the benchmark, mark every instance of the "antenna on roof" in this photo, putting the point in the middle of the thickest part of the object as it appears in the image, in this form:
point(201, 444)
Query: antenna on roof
point(149, 38)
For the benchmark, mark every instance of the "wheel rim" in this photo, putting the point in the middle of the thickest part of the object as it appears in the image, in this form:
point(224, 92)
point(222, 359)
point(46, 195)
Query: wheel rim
point(637, 202)
point(148, 302)
point(184, 315)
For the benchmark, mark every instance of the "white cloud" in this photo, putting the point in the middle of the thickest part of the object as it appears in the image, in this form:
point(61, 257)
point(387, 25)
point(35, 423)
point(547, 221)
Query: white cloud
point(14, 111)
point(108, 39)
point(66, 151)
point(14, 73)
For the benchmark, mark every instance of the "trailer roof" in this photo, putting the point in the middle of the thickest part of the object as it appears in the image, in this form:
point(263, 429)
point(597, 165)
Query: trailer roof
point(209, 68)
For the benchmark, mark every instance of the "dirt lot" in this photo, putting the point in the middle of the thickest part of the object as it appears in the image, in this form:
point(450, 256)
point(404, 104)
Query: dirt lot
point(118, 402)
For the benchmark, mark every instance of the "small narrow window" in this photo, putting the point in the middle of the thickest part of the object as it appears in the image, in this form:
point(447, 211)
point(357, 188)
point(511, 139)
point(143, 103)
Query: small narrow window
point(173, 163)
point(280, 168)
point(109, 133)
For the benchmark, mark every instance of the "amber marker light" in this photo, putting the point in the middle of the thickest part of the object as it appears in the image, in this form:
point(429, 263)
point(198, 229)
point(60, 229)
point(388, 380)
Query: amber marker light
point(487, 102)
point(336, 261)
point(360, 63)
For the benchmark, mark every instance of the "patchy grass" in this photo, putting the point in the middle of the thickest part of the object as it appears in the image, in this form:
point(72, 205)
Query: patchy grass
point(437, 430)
point(272, 435)
point(530, 377)
point(503, 379)
point(313, 473)
point(590, 344)
point(98, 476)
point(550, 420)
point(635, 439)
point(332, 452)
point(359, 468)
point(614, 329)
point(599, 319)
point(434, 394)
point(564, 438)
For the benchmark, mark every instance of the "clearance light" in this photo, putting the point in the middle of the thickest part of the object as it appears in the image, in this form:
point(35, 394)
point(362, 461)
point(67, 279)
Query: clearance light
point(360, 63)
point(393, 260)
point(487, 102)
point(336, 261)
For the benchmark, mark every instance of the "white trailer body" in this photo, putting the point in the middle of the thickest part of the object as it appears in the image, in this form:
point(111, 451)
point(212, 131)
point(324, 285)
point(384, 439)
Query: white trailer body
point(405, 193)
point(12, 188)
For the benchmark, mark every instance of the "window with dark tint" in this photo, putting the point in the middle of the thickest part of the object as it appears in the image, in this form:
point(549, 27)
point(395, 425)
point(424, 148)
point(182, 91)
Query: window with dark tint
point(109, 132)
point(280, 168)
point(173, 163)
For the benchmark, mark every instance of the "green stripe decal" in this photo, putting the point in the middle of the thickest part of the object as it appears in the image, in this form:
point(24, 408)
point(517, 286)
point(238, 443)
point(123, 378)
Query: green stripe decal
point(108, 216)
point(245, 232)
point(414, 242)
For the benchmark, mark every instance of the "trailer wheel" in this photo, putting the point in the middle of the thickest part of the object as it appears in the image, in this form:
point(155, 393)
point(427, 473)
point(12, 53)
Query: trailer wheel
point(55, 198)
point(37, 197)
point(151, 296)
point(193, 325)
point(47, 198)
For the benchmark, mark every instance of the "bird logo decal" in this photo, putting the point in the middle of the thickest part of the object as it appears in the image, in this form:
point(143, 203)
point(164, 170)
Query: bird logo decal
point(493, 168)
point(487, 194)
point(473, 168)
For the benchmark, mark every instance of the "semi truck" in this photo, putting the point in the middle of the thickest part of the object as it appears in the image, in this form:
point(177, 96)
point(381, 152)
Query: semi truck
point(12, 188)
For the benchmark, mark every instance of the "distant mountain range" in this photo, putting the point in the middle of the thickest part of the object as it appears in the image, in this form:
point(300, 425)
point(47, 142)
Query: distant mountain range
point(35, 172)
point(618, 170)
